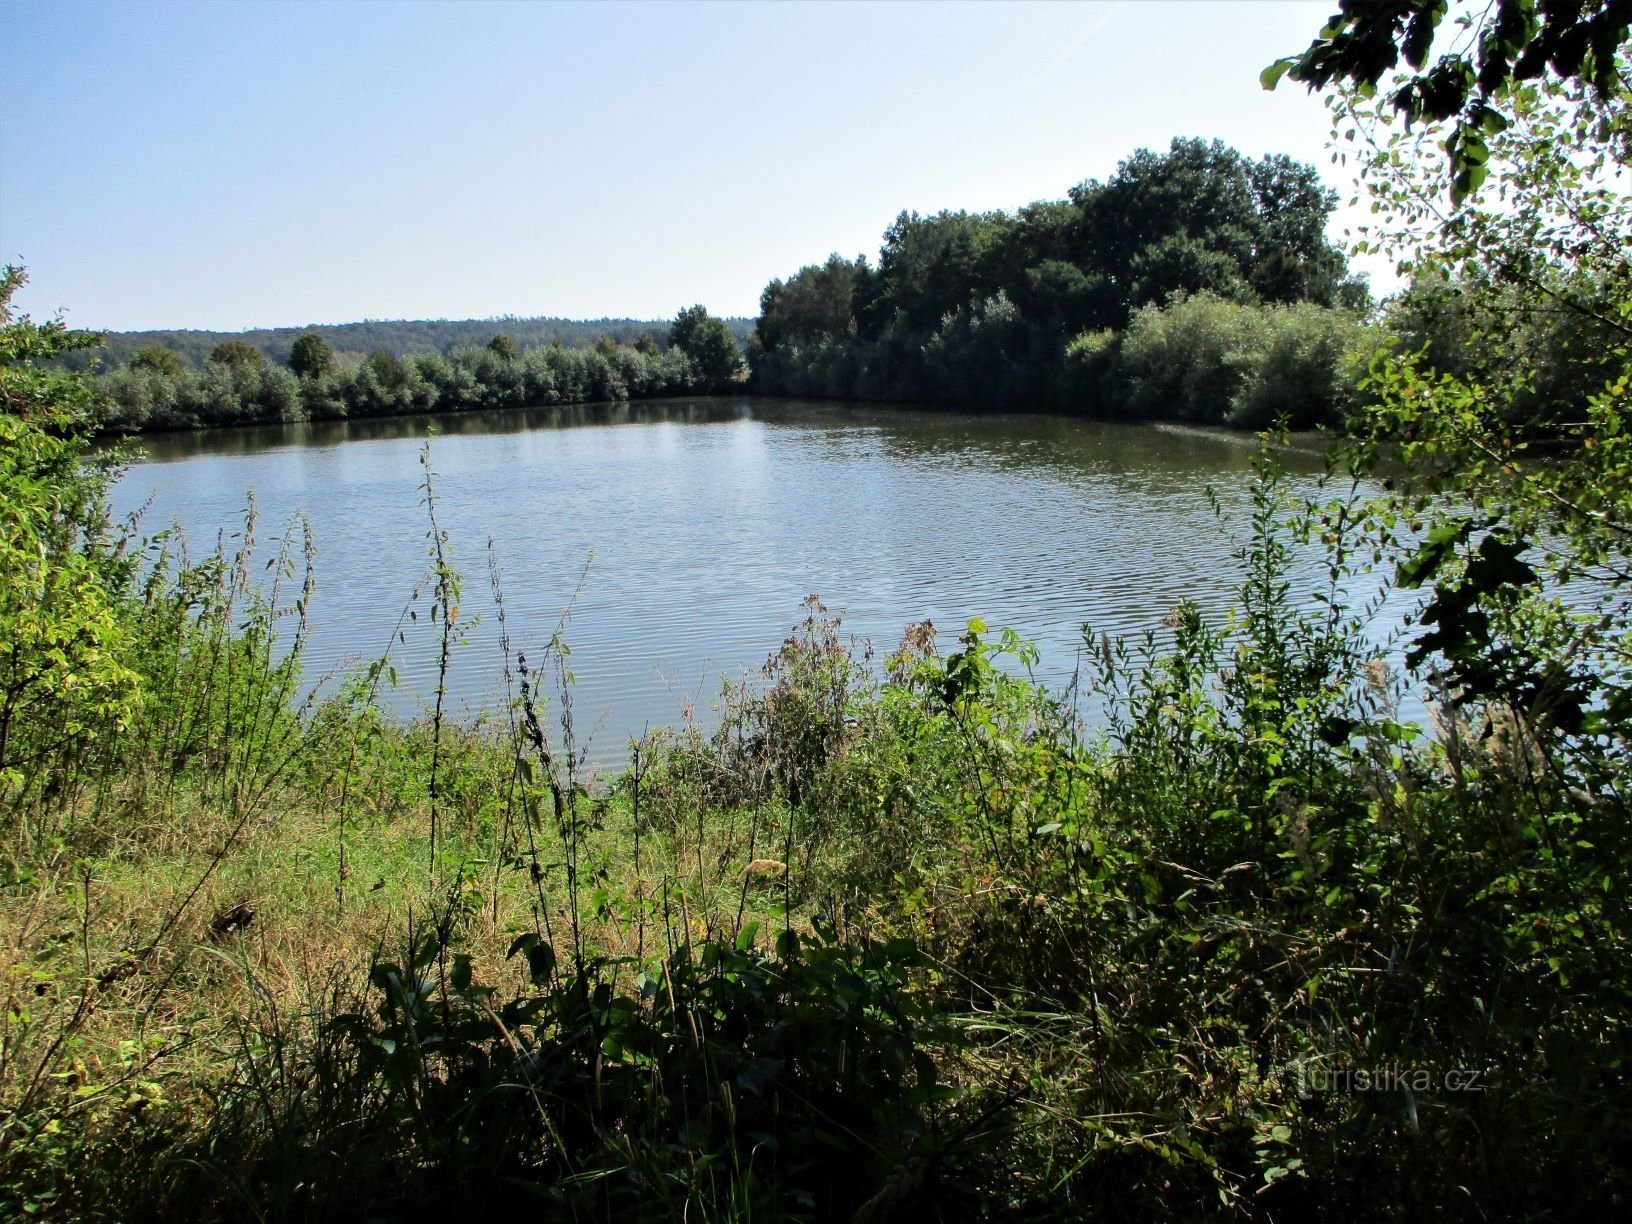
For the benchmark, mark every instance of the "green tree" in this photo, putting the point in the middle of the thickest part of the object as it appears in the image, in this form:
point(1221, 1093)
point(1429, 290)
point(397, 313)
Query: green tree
point(709, 345)
point(1519, 442)
point(63, 674)
point(980, 307)
point(236, 353)
point(929, 267)
point(1544, 261)
point(1201, 217)
point(503, 346)
point(1520, 496)
point(817, 302)
point(1294, 260)
point(311, 356)
point(157, 359)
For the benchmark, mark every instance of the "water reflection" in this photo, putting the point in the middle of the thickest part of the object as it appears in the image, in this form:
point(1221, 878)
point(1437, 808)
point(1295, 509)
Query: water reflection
point(705, 522)
point(253, 439)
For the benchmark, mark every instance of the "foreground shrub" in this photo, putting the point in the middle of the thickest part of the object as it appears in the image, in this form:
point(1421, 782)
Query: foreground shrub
point(727, 1081)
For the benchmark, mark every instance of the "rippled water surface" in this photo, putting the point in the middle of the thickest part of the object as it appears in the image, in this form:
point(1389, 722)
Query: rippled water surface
point(704, 524)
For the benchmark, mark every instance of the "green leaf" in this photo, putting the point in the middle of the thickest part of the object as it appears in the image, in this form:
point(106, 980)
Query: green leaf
point(1498, 564)
point(1271, 76)
point(1440, 545)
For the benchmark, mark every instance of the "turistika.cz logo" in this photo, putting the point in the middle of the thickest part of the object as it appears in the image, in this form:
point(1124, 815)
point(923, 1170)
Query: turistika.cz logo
point(1420, 1081)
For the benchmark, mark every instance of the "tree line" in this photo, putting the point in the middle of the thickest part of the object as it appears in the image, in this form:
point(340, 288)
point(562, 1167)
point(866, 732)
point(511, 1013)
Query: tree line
point(1020, 310)
point(1195, 284)
point(237, 384)
point(398, 337)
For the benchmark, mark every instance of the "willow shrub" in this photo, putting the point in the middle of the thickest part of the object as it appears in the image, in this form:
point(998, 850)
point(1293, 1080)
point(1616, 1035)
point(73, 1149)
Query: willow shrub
point(222, 393)
point(142, 397)
point(1209, 360)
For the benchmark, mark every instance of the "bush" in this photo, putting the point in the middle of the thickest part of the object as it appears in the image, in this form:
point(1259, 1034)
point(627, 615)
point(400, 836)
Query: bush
point(161, 395)
point(1205, 359)
point(728, 1082)
point(66, 683)
point(1307, 373)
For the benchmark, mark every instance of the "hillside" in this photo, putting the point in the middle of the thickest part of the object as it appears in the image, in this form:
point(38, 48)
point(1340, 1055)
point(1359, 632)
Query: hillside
point(398, 337)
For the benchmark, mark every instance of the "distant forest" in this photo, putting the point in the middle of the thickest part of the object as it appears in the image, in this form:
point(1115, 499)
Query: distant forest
point(397, 337)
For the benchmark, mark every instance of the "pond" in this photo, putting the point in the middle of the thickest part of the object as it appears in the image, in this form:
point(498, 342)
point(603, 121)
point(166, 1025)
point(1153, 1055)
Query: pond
point(672, 543)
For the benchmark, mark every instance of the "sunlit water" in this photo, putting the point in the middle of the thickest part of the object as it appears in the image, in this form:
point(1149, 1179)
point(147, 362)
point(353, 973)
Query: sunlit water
point(692, 530)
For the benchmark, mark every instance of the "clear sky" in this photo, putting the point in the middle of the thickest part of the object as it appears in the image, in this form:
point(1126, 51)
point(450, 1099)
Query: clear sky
point(244, 164)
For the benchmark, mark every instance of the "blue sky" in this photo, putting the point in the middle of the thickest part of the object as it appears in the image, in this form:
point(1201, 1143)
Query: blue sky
point(231, 165)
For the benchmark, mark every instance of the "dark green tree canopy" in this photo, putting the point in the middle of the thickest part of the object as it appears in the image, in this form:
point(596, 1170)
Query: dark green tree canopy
point(980, 307)
point(311, 356)
point(818, 301)
point(236, 353)
point(157, 359)
point(708, 343)
point(386, 369)
point(1201, 217)
point(503, 346)
point(687, 326)
point(928, 267)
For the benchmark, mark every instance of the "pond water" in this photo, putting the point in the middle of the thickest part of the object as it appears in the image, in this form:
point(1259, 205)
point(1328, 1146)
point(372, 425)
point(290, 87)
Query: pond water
point(673, 542)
